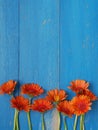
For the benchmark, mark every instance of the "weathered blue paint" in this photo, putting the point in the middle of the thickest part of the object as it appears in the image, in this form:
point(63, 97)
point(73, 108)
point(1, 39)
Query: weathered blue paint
point(49, 42)
point(8, 56)
point(39, 49)
point(79, 49)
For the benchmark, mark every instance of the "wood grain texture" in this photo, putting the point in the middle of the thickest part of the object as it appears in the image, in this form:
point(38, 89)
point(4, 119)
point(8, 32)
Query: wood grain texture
point(8, 56)
point(79, 49)
point(39, 49)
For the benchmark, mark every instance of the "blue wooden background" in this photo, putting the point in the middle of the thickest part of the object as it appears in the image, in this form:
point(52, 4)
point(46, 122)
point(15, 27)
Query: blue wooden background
point(49, 42)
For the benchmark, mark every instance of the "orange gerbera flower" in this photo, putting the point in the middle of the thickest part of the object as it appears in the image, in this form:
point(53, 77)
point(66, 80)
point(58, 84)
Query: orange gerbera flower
point(56, 95)
point(8, 87)
point(88, 93)
point(81, 104)
point(41, 105)
point(78, 86)
point(20, 103)
point(66, 108)
point(31, 89)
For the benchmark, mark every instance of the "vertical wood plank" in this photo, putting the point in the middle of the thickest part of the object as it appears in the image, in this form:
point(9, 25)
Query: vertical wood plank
point(8, 56)
point(39, 49)
point(79, 49)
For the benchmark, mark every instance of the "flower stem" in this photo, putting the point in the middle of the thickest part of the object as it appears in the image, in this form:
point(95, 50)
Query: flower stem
point(65, 125)
point(75, 122)
point(43, 122)
point(59, 120)
point(30, 100)
point(29, 121)
point(14, 128)
point(28, 115)
point(17, 120)
point(82, 122)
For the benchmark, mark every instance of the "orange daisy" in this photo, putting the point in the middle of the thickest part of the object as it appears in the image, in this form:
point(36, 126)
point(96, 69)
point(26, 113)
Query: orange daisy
point(20, 103)
point(31, 89)
point(56, 95)
point(88, 93)
point(66, 108)
point(78, 86)
point(41, 105)
point(8, 87)
point(81, 105)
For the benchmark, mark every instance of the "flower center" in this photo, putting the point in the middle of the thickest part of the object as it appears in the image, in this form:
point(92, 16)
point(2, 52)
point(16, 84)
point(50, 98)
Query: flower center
point(42, 108)
point(56, 98)
point(82, 106)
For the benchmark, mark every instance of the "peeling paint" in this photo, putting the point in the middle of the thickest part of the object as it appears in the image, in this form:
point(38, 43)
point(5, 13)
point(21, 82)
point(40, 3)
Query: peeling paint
point(46, 21)
point(87, 6)
point(88, 25)
point(93, 45)
point(10, 123)
point(87, 38)
point(83, 45)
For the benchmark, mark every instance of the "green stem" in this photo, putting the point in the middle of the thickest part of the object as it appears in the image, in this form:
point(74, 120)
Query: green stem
point(30, 100)
point(14, 128)
point(65, 125)
point(75, 122)
point(17, 119)
point(12, 95)
point(29, 121)
point(59, 119)
point(82, 122)
point(43, 122)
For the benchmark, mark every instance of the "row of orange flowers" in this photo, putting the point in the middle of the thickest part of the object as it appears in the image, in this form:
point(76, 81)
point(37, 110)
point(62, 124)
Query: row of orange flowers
point(79, 105)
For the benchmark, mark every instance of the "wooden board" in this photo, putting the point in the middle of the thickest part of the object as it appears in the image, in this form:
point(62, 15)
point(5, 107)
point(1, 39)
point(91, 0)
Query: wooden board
point(39, 49)
point(79, 49)
point(8, 56)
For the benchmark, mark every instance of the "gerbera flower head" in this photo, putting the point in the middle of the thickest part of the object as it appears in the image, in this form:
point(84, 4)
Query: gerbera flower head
point(41, 105)
point(8, 87)
point(88, 93)
point(81, 104)
point(20, 103)
point(31, 89)
point(56, 95)
point(78, 86)
point(66, 108)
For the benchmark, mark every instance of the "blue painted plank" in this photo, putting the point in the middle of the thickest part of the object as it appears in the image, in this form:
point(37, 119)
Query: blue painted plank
point(39, 49)
point(79, 49)
point(8, 56)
